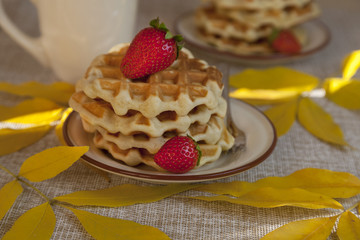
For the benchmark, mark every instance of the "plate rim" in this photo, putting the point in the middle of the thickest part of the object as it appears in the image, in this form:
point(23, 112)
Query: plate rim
point(173, 178)
point(259, 58)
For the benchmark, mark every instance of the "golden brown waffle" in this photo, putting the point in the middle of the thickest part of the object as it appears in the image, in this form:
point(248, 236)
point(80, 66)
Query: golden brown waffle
point(97, 112)
point(188, 83)
point(135, 156)
point(257, 4)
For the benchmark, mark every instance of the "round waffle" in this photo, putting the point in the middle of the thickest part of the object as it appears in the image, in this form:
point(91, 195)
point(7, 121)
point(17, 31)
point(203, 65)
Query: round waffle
point(188, 83)
point(257, 4)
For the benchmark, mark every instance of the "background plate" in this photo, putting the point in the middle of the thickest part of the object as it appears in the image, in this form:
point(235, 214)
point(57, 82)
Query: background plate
point(261, 140)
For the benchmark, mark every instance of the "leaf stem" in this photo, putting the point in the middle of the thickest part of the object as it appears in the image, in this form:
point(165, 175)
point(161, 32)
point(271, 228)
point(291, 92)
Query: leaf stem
point(35, 189)
point(8, 171)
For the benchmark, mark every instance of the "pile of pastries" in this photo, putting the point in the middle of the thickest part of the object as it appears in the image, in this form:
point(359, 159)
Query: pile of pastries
point(244, 26)
point(132, 119)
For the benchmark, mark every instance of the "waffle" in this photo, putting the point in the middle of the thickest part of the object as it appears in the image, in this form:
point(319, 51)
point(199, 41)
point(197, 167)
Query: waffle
point(97, 112)
point(257, 4)
point(136, 156)
point(188, 83)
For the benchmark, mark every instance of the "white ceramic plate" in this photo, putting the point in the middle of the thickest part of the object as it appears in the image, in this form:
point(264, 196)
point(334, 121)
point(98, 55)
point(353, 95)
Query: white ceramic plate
point(317, 34)
point(261, 140)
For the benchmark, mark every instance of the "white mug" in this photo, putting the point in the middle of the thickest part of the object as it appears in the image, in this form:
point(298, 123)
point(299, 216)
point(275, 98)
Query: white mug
point(73, 32)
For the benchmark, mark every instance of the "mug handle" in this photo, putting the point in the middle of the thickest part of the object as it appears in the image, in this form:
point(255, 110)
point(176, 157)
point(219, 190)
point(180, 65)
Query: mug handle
point(32, 45)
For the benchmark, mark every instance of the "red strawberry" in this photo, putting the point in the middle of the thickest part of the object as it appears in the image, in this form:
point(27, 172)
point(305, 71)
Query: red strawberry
point(284, 41)
point(153, 49)
point(179, 154)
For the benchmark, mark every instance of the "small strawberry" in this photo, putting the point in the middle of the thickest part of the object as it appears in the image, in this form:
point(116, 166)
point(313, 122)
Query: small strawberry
point(284, 41)
point(153, 49)
point(179, 154)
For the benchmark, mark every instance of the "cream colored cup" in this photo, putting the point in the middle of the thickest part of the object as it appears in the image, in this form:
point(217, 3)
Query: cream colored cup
point(73, 32)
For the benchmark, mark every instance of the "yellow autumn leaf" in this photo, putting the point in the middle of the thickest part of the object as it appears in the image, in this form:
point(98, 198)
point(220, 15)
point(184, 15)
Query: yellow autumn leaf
point(323, 181)
point(13, 140)
point(8, 195)
point(107, 228)
point(59, 92)
point(272, 84)
point(351, 64)
point(39, 118)
point(282, 116)
point(50, 162)
point(59, 127)
point(26, 107)
point(37, 223)
point(123, 195)
point(269, 197)
point(264, 97)
point(349, 226)
point(345, 93)
point(310, 229)
point(319, 123)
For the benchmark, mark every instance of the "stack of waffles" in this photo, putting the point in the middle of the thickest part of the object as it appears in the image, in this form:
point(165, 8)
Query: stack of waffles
point(244, 26)
point(132, 119)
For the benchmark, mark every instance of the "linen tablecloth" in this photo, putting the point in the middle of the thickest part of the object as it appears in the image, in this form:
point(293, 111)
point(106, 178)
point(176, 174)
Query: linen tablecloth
point(183, 218)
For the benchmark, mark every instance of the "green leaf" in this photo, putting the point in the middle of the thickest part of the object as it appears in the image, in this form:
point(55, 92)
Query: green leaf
point(344, 93)
point(269, 197)
point(351, 64)
point(107, 228)
point(37, 223)
point(311, 229)
point(349, 227)
point(50, 162)
point(8, 195)
point(123, 195)
point(13, 140)
point(59, 92)
point(319, 123)
point(282, 116)
point(27, 107)
point(326, 182)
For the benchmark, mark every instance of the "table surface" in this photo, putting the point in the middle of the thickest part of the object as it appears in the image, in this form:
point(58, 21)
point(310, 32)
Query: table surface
point(182, 218)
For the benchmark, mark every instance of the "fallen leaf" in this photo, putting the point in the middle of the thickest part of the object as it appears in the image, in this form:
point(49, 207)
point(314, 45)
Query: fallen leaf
point(59, 127)
point(59, 92)
point(272, 84)
point(311, 229)
point(282, 116)
point(323, 181)
point(348, 227)
point(351, 64)
point(344, 93)
point(123, 195)
point(50, 162)
point(8, 195)
point(269, 197)
point(26, 107)
point(37, 223)
point(39, 118)
point(107, 228)
point(13, 140)
point(319, 123)
point(264, 97)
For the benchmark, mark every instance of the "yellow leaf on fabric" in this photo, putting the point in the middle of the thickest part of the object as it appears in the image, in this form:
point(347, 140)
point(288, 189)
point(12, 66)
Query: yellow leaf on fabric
point(27, 107)
point(282, 116)
point(107, 228)
point(269, 197)
point(311, 229)
point(59, 127)
point(13, 140)
point(37, 223)
point(264, 97)
point(326, 182)
point(319, 123)
point(8, 195)
point(351, 64)
point(344, 93)
point(123, 195)
point(349, 227)
point(59, 92)
point(39, 118)
point(50, 162)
